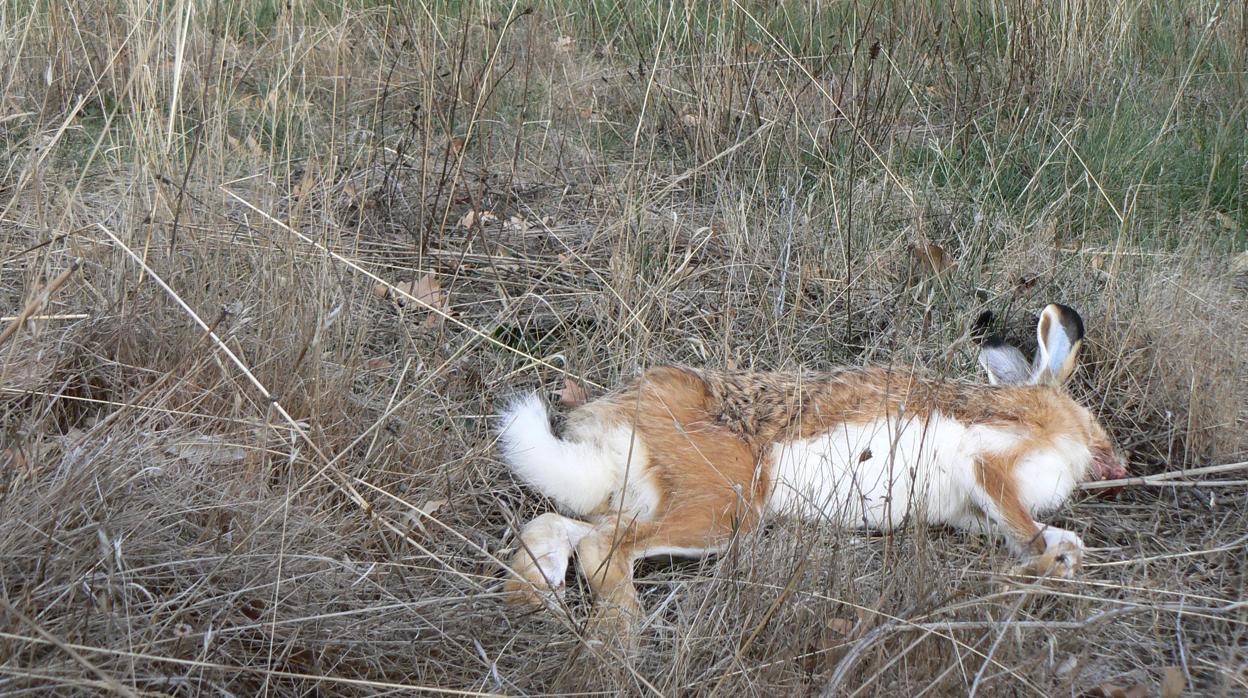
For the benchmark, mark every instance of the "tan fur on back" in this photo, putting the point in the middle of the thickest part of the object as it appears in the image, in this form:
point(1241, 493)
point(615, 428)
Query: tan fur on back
point(708, 434)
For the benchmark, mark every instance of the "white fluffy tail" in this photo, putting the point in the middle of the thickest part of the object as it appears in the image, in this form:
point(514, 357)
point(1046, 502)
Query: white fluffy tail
point(579, 476)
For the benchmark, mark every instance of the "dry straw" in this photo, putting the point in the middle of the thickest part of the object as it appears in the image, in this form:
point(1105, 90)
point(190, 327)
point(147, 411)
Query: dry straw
point(229, 466)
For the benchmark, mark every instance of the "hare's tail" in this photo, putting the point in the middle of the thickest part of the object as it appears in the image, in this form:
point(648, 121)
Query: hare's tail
point(577, 475)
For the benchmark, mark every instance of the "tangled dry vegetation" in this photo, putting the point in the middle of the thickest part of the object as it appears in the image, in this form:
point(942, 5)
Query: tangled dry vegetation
point(271, 265)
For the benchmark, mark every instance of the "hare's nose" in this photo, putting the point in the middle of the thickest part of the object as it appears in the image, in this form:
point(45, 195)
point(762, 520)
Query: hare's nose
point(1120, 472)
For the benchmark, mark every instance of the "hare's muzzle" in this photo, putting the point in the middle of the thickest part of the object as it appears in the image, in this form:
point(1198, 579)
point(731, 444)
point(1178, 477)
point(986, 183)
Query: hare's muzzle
point(1107, 464)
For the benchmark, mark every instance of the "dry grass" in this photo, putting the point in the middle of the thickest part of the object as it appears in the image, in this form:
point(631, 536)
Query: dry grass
point(306, 500)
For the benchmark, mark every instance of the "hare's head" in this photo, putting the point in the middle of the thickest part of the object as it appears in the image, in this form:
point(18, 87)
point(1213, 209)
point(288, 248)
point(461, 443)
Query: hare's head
point(1059, 334)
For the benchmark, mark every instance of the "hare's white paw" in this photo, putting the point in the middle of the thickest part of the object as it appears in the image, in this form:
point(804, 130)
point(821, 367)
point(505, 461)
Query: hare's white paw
point(1062, 556)
point(533, 583)
point(1054, 536)
point(540, 564)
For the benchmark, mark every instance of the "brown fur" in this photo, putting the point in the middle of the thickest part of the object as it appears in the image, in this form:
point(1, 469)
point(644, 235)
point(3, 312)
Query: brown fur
point(708, 435)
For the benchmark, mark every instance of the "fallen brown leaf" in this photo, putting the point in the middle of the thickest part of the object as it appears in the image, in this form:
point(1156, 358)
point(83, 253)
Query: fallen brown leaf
point(1173, 683)
point(432, 506)
point(355, 194)
point(476, 217)
point(427, 292)
point(931, 258)
point(842, 626)
point(455, 146)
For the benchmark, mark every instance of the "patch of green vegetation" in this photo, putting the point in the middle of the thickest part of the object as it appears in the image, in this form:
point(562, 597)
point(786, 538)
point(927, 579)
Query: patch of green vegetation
point(257, 18)
point(1150, 168)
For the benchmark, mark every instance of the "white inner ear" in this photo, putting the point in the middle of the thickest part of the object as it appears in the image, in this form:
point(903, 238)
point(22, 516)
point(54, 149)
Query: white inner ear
point(1054, 347)
point(1005, 365)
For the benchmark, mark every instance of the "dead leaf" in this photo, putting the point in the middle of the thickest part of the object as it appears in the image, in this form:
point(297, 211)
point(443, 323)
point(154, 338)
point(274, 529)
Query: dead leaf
point(14, 456)
point(356, 196)
point(867, 619)
point(842, 626)
point(1173, 683)
point(416, 519)
point(455, 147)
point(573, 393)
point(476, 218)
point(927, 261)
point(432, 506)
point(427, 292)
point(378, 364)
point(931, 258)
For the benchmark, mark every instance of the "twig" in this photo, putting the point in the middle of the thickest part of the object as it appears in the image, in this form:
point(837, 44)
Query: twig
point(63, 316)
point(1168, 477)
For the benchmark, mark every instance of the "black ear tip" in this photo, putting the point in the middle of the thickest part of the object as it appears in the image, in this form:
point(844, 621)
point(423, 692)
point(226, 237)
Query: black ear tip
point(1071, 321)
point(984, 330)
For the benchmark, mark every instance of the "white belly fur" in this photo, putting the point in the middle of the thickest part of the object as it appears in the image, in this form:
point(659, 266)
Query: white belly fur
point(874, 475)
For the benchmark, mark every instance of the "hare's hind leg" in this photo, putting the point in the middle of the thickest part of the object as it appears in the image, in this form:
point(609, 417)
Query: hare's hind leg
point(606, 556)
point(540, 563)
point(1048, 550)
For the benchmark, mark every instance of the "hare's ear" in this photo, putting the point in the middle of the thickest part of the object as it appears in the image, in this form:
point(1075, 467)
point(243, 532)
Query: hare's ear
point(1060, 334)
point(1005, 364)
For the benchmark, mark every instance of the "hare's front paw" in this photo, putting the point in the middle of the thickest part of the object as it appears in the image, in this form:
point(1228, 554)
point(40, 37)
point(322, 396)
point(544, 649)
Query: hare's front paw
point(1062, 556)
